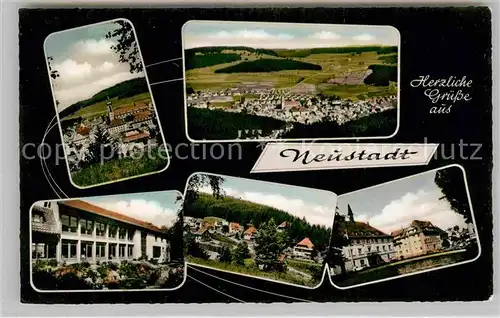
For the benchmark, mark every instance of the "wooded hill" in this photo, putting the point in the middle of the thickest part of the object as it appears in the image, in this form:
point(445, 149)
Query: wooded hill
point(121, 90)
point(246, 212)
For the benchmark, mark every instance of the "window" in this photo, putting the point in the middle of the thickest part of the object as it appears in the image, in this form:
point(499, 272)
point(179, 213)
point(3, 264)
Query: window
point(112, 231)
point(359, 251)
point(122, 233)
point(42, 250)
point(100, 229)
point(121, 249)
point(378, 248)
point(383, 247)
point(47, 204)
point(86, 250)
point(86, 227)
point(362, 261)
point(369, 249)
point(68, 249)
point(112, 251)
point(130, 235)
point(69, 223)
point(130, 251)
point(156, 251)
point(100, 250)
point(37, 218)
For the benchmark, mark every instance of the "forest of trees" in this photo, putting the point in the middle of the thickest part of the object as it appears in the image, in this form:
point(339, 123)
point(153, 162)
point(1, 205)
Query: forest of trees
point(193, 61)
point(121, 90)
point(246, 212)
point(268, 65)
point(338, 50)
point(218, 124)
point(382, 75)
point(389, 59)
point(219, 49)
point(378, 124)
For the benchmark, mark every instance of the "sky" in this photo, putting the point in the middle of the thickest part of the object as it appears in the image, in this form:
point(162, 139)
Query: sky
point(317, 206)
point(85, 62)
point(284, 35)
point(394, 205)
point(158, 208)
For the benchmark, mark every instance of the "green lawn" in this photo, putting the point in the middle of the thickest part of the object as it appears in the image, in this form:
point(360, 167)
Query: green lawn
point(356, 92)
point(250, 269)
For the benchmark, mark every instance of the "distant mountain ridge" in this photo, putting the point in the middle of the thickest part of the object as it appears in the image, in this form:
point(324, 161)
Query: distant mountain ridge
point(121, 90)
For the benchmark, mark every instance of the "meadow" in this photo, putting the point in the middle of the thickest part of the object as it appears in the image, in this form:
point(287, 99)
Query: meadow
point(99, 109)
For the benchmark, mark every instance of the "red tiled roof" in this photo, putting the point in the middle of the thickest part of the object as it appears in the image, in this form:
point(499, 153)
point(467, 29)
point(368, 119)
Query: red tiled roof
point(306, 242)
point(397, 232)
point(83, 130)
point(136, 137)
point(142, 116)
point(48, 225)
point(116, 122)
point(234, 225)
point(130, 108)
point(87, 207)
point(251, 230)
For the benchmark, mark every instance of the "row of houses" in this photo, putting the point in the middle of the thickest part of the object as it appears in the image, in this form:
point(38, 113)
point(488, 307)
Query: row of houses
point(202, 228)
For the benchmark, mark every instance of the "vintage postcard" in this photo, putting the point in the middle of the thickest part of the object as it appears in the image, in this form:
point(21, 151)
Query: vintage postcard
point(260, 229)
point(257, 80)
point(106, 113)
point(117, 242)
point(404, 227)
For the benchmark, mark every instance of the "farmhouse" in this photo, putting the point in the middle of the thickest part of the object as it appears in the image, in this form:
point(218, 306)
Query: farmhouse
point(249, 233)
point(75, 231)
point(420, 237)
point(235, 228)
point(367, 246)
point(304, 249)
point(282, 226)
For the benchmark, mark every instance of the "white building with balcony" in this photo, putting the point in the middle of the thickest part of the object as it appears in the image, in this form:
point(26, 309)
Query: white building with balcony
point(76, 231)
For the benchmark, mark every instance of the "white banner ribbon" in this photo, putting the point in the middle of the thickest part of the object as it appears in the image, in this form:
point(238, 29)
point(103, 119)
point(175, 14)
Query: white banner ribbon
point(278, 157)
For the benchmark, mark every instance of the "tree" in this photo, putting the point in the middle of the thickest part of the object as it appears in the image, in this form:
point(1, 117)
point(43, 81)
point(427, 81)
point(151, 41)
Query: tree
point(53, 73)
point(192, 248)
point(101, 148)
point(241, 253)
point(451, 183)
point(334, 256)
point(200, 180)
point(270, 244)
point(225, 255)
point(225, 229)
point(126, 45)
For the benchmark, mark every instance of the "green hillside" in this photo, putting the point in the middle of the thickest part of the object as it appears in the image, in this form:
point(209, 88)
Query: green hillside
point(203, 60)
point(268, 65)
point(297, 53)
point(219, 49)
point(245, 212)
point(121, 90)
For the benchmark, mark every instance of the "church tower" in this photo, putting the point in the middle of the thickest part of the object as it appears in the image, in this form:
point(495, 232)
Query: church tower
point(109, 110)
point(350, 214)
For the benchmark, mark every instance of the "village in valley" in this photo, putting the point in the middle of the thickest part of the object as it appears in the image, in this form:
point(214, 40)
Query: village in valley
point(296, 105)
point(211, 233)
point(131, 128)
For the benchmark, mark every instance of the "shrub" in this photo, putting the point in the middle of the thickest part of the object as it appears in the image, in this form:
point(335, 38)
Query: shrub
point(132, 283)
point(44, 280)
point(70, 280)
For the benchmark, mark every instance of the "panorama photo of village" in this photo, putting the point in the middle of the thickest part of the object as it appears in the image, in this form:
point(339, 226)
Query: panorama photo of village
point(118, 242)
point(259, 229)
point(256, 80)
point(403, 227)
point(108, 121)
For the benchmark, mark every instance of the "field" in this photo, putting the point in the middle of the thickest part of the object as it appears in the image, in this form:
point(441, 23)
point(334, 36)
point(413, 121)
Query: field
point(329, 63)
point(400, 268)
point(98, 109)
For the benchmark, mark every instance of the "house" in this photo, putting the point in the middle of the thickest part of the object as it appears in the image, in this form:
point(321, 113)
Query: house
point(73, 231)
point(367, 246)
point(249, 233)
point(304, 249)
point(235, 228)
point(202, 235)
point(282, 226)
point(419, 238)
